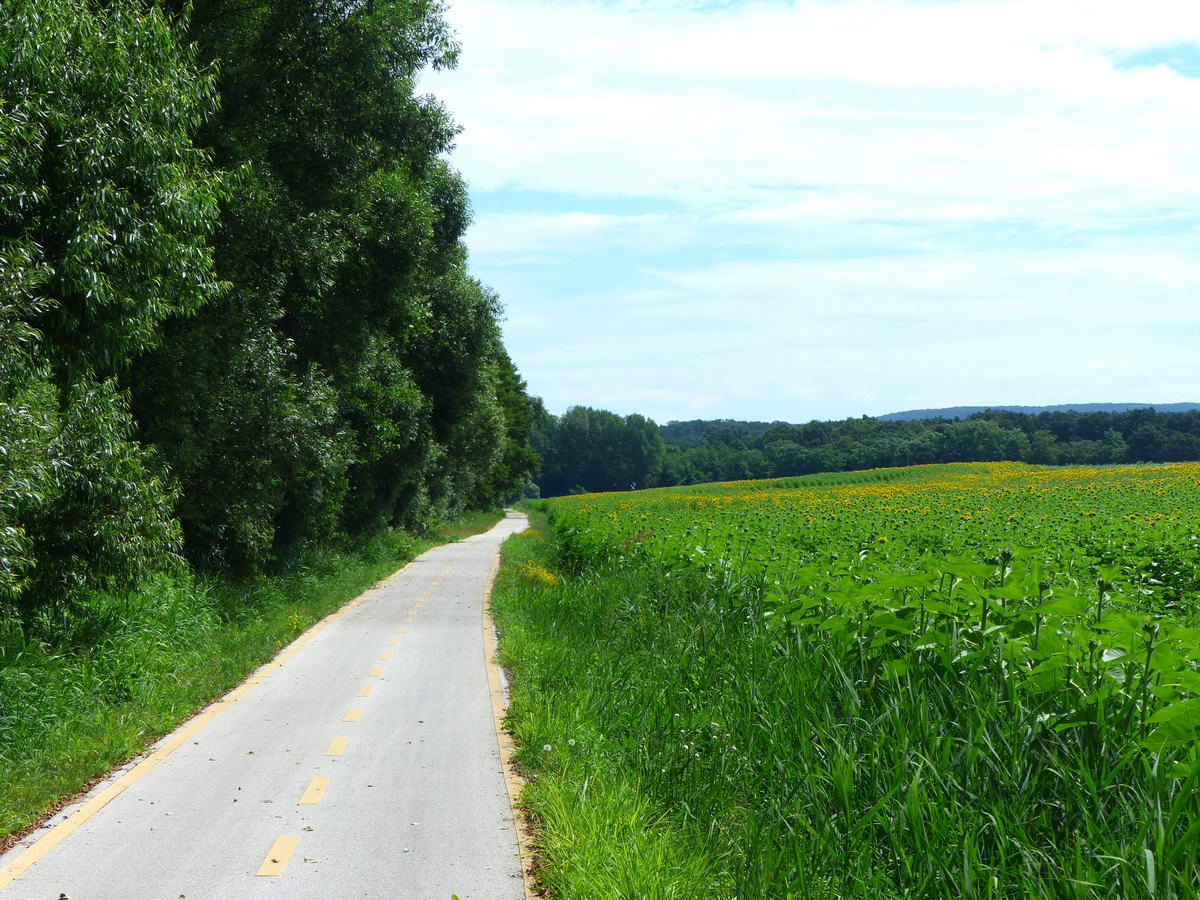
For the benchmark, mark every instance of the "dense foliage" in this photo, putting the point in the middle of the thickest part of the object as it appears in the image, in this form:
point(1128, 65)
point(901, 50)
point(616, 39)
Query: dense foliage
point(971, 680)
point(106, 214)
point(724, 450)
point(700, 451)
point(595, 450)
point(235, 312)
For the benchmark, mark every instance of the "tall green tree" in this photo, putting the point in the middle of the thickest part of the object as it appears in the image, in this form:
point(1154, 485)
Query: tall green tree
point(103, 193)
point(597, 450)
point(106, 212)
point(351, 376)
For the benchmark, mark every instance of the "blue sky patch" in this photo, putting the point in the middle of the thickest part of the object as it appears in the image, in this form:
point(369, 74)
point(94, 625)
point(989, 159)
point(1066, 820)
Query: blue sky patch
point(1184, 58)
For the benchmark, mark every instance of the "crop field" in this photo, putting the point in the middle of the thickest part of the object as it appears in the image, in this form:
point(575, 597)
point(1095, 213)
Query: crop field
point(959, 680)
point(1085, 581)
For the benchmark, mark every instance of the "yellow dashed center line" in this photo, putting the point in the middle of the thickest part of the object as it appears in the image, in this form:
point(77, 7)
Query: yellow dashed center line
point(277, 857)
point(365, 690)
point(336, 747)
point(285, 845)
point(315, 790)
point(395, 642)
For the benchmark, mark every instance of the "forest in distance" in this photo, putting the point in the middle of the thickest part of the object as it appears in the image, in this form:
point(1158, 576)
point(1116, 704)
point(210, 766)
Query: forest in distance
point(589, 450)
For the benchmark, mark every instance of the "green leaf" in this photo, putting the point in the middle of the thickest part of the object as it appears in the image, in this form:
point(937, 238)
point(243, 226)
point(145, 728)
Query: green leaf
point(1187, 679)
point(896, 668)
point(1177, 724)
point(1008, 592)
point(1185, 711)
point(888, 620)
point(1065, 605)
point(908, 580)
point(967, 570)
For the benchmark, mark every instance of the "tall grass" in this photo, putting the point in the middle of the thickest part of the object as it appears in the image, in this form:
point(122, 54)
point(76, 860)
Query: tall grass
point(779, 763)
point(81, 691)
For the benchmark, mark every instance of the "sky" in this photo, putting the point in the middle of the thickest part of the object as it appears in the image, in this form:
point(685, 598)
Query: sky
point(815, 210)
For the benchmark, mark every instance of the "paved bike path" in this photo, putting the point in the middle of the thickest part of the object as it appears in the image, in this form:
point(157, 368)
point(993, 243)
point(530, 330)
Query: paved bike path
point(362, 763)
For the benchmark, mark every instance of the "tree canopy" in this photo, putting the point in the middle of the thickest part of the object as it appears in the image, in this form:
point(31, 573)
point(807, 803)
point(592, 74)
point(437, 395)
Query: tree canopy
point(235, 306)
point(589, 449)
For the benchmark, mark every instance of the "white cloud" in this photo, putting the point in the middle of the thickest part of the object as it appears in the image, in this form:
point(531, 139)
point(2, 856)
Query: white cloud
point(517, 232)
point(820, 338)
point(966, 98)
point(977, 178)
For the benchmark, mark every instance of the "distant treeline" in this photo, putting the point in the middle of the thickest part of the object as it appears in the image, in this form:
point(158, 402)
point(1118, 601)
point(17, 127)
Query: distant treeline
point(726, 450)
point(235, 312)
point(595, 450)
point(963, 412)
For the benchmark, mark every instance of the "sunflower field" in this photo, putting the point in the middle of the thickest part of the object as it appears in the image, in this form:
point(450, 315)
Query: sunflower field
point(937, 681)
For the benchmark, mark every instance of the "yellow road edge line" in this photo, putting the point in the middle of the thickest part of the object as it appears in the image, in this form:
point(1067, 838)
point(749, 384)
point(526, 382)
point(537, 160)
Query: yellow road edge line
point(395, 642)
point(513, 783)
point(365, 690)
point(336, 747)
point(386, 654)
point(171, 742)
point(277, 857)
point(315, 791)
point(93, 804)
point(352, 714)
point(376, 671)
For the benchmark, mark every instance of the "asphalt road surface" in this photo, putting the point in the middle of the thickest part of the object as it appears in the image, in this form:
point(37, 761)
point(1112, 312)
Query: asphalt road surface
point(363, 762)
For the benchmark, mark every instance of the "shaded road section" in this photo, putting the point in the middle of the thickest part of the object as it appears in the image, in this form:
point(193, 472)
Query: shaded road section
point(362, 762)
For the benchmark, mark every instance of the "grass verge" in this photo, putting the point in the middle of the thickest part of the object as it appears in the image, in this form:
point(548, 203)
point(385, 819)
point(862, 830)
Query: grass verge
point(80, 693)
point(599, 832)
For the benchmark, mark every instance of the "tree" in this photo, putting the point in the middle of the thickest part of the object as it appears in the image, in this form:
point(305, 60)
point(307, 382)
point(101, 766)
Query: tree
point(352, 375)
point(511, 476)
point(103, 191)
point(596, 449)
point(1148, 443)
point(106, 211)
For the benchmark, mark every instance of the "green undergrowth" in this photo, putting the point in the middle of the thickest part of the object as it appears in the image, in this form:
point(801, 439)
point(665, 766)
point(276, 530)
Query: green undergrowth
point(681, 745)
point(600, 832)
point(81, 691)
